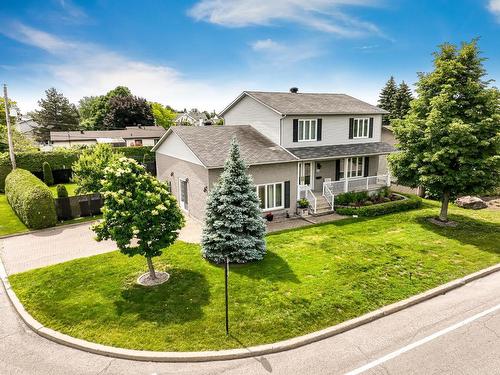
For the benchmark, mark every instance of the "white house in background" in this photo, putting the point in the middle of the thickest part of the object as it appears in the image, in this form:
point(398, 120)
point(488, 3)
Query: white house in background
point(295, 145)
point(130, 136)
point(26, 126)
point(194, 118)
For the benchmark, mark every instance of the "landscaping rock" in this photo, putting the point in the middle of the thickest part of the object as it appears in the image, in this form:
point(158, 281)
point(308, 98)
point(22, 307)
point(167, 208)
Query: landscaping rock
point(468, 201)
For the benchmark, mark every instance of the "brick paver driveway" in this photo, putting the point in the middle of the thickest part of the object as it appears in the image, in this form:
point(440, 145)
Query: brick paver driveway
point(60, 244)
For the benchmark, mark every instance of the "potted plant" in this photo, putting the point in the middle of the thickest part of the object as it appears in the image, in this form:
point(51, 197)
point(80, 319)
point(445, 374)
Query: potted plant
point(303, 207)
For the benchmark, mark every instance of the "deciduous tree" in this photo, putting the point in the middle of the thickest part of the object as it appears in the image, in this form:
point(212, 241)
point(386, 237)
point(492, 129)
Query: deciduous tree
point(126, 111)
point(163, 115)
point(449, 142)
point(139, 212)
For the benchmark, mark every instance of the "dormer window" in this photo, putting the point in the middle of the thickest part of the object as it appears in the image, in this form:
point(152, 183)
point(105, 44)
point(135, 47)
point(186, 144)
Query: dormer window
point(307, 130)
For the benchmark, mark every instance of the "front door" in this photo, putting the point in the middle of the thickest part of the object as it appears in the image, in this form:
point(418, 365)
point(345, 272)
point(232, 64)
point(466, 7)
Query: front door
point(183, 194)
point(306, 173)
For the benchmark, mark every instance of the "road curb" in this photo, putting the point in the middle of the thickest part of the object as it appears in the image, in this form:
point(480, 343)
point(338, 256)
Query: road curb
point(151, 356)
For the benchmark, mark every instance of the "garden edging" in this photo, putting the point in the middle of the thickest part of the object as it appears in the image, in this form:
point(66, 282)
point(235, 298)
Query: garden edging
point(204, 356)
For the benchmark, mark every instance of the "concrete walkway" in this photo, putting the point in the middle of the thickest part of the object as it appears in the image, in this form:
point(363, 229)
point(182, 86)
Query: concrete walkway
point(472, 348)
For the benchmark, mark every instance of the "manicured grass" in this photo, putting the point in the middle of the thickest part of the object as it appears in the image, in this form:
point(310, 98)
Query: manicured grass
point(70, 187)
point(310, 279)
point(9, 222)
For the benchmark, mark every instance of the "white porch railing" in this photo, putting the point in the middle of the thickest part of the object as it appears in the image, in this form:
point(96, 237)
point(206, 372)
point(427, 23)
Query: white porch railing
point(328, 194)
point(306, 192)
point(358, 184)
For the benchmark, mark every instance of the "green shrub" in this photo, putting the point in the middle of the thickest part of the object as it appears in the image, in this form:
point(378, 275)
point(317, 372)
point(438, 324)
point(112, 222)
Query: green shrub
point(48, 177)
point(410, 203)
point(62, 192)
point(62, 159)
point(302, 203)
point(30, 199)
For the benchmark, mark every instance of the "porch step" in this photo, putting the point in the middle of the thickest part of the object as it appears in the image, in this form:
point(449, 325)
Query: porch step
point(322, 206)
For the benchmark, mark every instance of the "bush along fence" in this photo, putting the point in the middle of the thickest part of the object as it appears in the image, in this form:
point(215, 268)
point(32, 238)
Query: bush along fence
point(30, 199)
point(61, 161)
point(409, 203)
point(78, 206)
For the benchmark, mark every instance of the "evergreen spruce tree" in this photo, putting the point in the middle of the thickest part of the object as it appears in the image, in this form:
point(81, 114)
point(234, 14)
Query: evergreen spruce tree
point(233, 224)
point(403, 99)
point(387, 99)
point(55, 113)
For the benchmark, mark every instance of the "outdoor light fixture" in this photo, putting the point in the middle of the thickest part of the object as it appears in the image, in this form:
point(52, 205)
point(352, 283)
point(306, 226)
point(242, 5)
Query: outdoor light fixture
point(205, 189)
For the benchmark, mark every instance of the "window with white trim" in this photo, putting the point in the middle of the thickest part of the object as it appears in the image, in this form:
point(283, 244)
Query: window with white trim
point(271, 196)
point(307, 130)
point(360, 128)
point(355, 167)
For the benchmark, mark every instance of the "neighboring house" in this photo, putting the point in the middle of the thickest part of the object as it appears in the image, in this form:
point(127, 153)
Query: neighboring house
point(130, 136)
point(25, 126)
point(295, 145)
point(195, 118)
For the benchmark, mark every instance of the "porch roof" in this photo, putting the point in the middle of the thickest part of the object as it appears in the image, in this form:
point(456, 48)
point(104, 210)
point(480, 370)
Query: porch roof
point(337, 151)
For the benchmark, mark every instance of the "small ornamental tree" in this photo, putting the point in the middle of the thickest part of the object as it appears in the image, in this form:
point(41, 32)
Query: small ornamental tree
point(449, 142)
point(139, 213)
point(48, 177)
point(88, 170)
point(233, 224)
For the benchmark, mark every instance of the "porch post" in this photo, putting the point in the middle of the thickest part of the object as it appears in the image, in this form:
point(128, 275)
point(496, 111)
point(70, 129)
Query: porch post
point(346, 183)
point(388, 178)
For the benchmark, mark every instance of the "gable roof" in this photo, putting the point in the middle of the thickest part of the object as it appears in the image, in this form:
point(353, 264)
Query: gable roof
point(211, 144)
point(286, 103)
point(89, 135)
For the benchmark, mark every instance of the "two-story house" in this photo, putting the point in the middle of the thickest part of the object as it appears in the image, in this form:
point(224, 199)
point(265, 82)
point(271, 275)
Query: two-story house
point(295, 145)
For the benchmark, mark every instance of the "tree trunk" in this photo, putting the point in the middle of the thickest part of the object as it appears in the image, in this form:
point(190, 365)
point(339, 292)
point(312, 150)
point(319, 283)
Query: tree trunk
point(152, 273)
point(443, 215)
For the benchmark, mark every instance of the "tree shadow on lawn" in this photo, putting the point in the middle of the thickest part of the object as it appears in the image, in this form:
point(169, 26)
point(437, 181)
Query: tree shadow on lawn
point(272, 267)
point(482, 234)
point(179, 300)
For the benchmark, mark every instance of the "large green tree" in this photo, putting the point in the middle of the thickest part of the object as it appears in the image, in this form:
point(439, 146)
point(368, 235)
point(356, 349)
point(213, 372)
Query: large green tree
point(449, 142)
point(88, 170)
point(402, 100)
point(55, 113)
point(139, 213)
point(234, 228)
point(387, 99)
point(164, 115)
point(126, 111)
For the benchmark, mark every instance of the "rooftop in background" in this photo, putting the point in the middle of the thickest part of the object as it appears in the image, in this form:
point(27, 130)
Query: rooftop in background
point(211, 144)
point(127, 133)
point(288, 103)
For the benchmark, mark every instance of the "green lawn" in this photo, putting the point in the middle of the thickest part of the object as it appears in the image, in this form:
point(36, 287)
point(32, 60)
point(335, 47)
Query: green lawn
point(310, 279)
point(9, 222)
point(69, 186)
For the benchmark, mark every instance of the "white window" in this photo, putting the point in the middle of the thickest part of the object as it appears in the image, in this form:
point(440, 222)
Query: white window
point(360, 128)
point(355, 167)
point(271, 196)
point(307, 130)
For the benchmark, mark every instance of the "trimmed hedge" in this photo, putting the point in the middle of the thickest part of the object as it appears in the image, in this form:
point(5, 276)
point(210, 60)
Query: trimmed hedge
point(48, 177)
point(410, 203)
point(62, 192)
point(30, 199)
point(62, 159)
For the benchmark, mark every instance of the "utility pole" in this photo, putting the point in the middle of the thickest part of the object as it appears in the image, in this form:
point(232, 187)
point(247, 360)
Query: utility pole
point(9, 134)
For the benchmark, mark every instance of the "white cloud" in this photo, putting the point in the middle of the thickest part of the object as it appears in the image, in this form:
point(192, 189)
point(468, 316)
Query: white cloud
point(494, 7)
point(279, 53)
point(83, 69)
point(323, 15)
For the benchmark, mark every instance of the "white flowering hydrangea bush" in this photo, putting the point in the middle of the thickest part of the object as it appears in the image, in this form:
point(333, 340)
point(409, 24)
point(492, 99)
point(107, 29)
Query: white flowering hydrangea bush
point(139, 212)
point(234, 227)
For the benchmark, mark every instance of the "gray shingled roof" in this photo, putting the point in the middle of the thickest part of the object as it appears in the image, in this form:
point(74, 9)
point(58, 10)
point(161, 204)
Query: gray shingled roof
point(288, 103)
point(211, 144)
point(127, 133)
point(359, 149)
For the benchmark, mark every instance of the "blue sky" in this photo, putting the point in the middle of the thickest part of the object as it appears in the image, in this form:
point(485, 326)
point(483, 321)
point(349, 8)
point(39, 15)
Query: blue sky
point(203, 53)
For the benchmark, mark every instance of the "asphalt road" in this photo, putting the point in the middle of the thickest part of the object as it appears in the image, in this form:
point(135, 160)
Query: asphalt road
point(457, 333)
